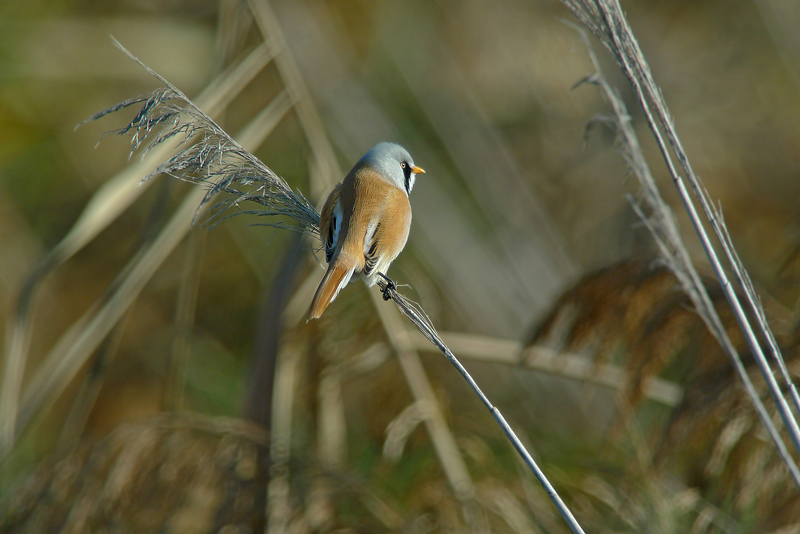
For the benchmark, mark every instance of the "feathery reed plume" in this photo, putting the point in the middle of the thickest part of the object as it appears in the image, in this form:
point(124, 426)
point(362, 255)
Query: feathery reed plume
point(213, 158)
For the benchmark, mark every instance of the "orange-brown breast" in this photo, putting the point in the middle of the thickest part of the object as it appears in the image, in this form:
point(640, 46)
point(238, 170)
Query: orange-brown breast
point(374, 202)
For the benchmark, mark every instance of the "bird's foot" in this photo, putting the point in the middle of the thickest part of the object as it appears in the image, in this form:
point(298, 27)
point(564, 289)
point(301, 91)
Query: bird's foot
point(390, 286)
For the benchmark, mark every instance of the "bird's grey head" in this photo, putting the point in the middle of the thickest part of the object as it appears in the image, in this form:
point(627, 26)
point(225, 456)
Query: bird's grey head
point(394, 163)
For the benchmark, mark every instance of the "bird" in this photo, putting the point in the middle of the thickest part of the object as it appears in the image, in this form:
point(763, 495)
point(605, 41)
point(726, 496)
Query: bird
point(365, 221)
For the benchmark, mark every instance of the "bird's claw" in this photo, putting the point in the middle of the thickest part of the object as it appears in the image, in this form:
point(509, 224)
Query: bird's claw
point(390, 286)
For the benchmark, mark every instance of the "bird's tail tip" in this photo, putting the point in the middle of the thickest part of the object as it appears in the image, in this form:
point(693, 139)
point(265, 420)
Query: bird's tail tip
point(334, 280)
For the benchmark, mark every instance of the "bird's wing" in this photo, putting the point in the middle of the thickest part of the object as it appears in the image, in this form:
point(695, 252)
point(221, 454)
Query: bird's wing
point(331, 222)
point(371, 247)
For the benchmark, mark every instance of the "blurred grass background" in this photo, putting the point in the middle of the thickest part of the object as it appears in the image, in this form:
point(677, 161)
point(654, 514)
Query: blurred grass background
point(518, 204)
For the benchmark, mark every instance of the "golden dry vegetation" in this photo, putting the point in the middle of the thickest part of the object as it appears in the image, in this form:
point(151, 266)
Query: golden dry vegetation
point(154, 350)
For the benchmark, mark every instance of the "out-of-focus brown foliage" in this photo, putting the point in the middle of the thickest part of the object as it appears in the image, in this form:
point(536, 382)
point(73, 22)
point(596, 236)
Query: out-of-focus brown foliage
point(172, 473)
point(637, 314)
point(636, 310)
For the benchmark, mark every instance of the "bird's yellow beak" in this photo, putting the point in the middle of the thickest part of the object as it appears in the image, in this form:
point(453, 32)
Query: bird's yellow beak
point(417, 170)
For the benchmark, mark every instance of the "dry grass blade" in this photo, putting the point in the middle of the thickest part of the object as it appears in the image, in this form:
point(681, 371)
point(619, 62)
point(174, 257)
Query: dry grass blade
point(756, 307)
point(478, 148)
point(113, 198)
point(73, 349)
point(605, 19)
point(548, 360)
point(279, 505)
point(184, 315)
point(417, 315)
point(70, 353)
point(324, 158)
point(450, 457)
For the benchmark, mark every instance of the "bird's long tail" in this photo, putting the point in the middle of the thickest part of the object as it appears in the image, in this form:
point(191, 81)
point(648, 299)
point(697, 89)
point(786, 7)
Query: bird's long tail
point(335, 279)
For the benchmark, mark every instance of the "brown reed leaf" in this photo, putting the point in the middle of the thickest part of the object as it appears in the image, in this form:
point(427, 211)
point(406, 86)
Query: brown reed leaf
point(171, 473)
point(635, 312)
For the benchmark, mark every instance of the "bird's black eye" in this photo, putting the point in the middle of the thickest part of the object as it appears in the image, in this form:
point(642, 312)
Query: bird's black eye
point(404, 164)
